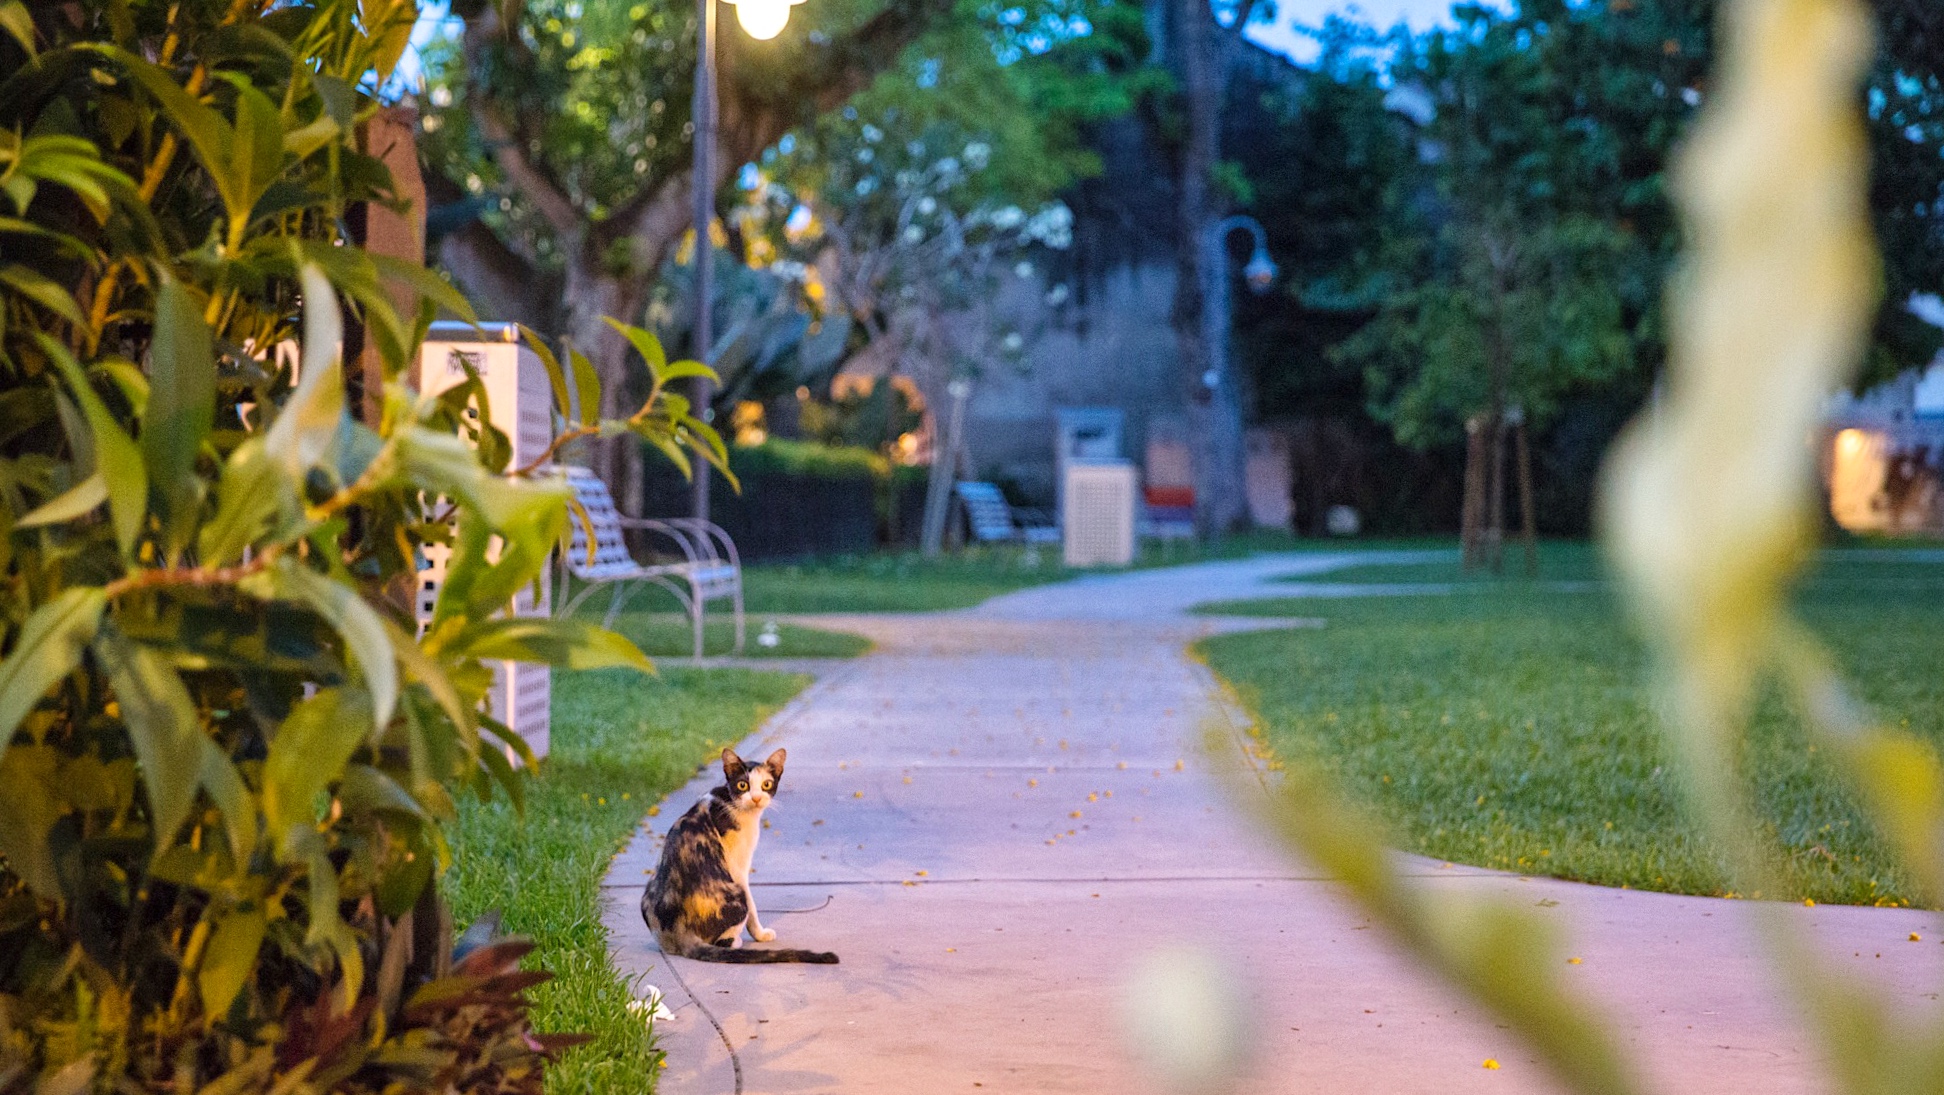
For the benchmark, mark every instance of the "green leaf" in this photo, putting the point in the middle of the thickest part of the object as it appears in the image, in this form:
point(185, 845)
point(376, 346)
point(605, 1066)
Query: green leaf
point(681, 370)
point(206, 131)
point(181, 409)
point(49, 648)
point(162, 726)
point(231, 796)
point(307, 425)
point(307, 755)
point(258, 151)
point(555, 375)
point(19, 25)
point(306, 139)
point(571, 644)
point(253, 490)
point(229, 958)
point(72, 504)
point(645, 344)
point(28, 811)
point(118, 461)
point(341, 607)
point(329, 929)
point(367, 788)
point(587, 385)
point(39, 289)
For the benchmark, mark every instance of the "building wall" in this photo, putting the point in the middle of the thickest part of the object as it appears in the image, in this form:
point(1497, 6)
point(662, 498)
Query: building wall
point(1110, 347)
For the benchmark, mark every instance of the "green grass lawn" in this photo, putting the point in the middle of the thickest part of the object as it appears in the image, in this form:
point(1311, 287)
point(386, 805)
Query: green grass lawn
point(909, 582)
point(667, 635)
point(620, 742)
point(1507, 724)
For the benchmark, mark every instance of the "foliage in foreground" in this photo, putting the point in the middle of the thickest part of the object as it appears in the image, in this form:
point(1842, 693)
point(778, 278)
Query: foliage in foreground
point(620, 742)
point(229, 754)
point(1708, 515)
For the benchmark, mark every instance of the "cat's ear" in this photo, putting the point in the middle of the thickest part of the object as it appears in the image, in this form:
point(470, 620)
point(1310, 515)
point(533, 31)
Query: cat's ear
point(775, 761)
point(732, 765)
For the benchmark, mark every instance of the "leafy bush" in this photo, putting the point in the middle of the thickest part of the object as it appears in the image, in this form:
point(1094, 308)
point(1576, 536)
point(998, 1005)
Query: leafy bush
point(226, 749)
point(806, 459)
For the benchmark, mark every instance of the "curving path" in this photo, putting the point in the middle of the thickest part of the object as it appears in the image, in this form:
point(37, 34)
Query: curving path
point(993, 813)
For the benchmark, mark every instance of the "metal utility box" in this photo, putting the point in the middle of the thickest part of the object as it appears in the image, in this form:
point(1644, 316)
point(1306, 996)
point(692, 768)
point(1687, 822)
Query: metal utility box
point(1098, 511)
point(521, 402)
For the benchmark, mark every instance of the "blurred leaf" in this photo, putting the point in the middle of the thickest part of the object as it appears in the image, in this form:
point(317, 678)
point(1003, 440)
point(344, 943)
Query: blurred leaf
point(347, 613)
point(308, 754)
point(19, 25)
point(227, 790)
point(75, 502)
point(117, 460)
point(49, 648)
point(566, 643)
point(44, 292)
point(645, 344)
point(556, 377)
point(253, 490)
point(587, 386)
point(181, 408)
point(162, 726)
point(28, 811)
point(229, 958)
point(306, 427)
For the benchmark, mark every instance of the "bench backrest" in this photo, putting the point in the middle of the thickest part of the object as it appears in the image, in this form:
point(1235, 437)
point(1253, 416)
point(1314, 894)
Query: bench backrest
point(986, 509)
point(610, 547)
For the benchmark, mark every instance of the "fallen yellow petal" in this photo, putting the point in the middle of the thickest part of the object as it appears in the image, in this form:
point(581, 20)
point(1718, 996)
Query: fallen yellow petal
point(654, 811)
point(1032, 783)
point(857, 794)
point(1809, 901)
point(1915, 938)
point(1572, 961)
point(1075, 813)
point(1491, 1063)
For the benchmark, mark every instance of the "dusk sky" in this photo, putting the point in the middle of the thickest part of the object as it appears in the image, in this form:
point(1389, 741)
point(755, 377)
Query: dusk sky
point(1291, 14)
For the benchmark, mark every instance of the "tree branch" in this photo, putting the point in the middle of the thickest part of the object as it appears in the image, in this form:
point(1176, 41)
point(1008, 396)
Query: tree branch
point(507, 143)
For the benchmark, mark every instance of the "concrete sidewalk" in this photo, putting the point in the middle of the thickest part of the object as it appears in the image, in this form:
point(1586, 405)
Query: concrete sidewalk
point(993, 814)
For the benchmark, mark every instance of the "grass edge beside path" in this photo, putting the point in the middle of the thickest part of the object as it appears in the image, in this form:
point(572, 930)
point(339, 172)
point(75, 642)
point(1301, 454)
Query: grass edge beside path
point(1510, 726)
point(620, 743)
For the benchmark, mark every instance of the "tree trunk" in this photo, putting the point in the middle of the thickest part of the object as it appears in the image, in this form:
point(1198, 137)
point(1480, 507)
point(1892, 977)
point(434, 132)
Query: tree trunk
point(1495, 517)
point(1471, 519)
point(1528, 519)
point(1200, 312)
point(593, 295)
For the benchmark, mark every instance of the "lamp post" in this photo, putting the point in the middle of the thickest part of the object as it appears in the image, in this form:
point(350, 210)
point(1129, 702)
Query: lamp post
point(1259, 272)
point(762, 20)
point(1221, 497)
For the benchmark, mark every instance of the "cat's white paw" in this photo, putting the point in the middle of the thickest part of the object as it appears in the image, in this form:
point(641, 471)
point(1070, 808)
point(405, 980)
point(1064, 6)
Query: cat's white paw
point(763, 936)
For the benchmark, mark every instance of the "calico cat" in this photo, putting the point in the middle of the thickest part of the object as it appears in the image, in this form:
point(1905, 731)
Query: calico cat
point(699, 901)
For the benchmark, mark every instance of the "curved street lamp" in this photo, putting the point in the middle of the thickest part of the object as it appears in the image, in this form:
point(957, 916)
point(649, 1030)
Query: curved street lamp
point(762, 20)
point(1259, 272)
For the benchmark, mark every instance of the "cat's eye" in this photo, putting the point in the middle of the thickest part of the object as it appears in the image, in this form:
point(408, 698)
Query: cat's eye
point(767, 784)
point(742, 785)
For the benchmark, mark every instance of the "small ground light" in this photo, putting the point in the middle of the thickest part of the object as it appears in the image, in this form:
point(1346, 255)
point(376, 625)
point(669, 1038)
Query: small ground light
point(769, 639)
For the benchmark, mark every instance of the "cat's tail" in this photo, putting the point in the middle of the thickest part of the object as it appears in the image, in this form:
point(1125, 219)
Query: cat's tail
point(752, 956)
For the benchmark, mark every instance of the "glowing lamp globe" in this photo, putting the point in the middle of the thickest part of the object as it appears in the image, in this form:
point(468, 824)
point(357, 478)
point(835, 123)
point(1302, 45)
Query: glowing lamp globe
point(763, 19)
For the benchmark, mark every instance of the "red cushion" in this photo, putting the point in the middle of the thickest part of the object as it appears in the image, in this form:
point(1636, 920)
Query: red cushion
point(1171, 497)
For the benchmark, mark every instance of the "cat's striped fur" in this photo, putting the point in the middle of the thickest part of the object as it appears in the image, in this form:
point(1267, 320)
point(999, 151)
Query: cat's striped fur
point(699, 901)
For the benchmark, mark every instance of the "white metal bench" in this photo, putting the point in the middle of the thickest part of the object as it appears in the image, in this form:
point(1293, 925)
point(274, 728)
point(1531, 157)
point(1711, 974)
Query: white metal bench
point(994, 521)
point(701, 567)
